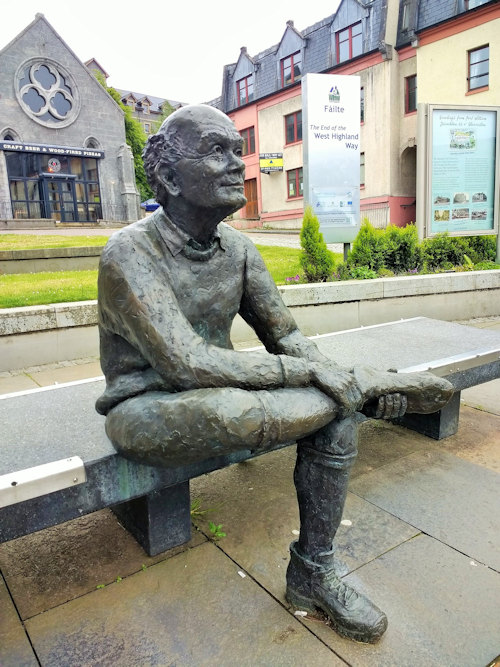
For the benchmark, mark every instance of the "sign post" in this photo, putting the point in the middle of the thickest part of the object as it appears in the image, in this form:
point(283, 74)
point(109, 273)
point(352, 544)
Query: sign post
point(331, 122)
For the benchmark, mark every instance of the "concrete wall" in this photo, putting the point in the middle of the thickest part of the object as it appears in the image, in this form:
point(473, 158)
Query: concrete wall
point(49, 259)
point(45, 334)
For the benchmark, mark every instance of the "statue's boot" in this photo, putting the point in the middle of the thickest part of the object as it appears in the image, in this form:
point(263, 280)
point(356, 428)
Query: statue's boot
point(313, 581)
point(425, 393)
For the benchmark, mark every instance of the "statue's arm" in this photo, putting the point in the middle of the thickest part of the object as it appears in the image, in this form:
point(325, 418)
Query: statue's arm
point(150, 319)
point(263, 309)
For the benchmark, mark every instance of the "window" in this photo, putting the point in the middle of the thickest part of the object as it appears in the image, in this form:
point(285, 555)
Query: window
point(362, 105)
point(470, 4)
point(349, 42)
point(293, 127)
point(37, 191)
point(411, 93)
point(291, 69)
point(361, 170)
point(294, 183)
point(405, 23)
point(248, 137)
point(147, 128)
point(479, 65)
point(244, 90)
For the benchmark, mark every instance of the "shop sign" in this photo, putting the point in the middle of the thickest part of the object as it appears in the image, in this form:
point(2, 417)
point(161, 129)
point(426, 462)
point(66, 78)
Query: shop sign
point(270, 162)
point(53, 150)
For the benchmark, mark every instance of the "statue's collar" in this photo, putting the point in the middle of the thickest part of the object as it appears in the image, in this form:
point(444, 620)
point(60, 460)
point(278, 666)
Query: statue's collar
point(177, 240)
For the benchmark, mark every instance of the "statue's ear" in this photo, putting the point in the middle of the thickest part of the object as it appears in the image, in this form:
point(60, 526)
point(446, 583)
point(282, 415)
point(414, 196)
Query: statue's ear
point(167, 177)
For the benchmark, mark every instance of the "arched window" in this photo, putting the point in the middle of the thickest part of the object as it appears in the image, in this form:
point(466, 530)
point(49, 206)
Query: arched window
point(92, 142)
point(8, 134)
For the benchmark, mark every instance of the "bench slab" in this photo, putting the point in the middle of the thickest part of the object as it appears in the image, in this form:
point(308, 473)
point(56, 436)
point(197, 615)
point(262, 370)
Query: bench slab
point(41, 426)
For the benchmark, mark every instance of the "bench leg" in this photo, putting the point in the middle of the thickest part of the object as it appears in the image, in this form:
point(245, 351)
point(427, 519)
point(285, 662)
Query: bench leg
point(439, 424)
point(160, 520)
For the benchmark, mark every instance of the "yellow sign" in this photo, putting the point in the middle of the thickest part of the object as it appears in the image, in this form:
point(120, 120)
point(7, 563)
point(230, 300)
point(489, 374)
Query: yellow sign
point(271, 162)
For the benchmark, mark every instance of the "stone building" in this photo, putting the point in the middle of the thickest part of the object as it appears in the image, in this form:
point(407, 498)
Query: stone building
point(63, 154)
point(147, 108)
point(448, 46)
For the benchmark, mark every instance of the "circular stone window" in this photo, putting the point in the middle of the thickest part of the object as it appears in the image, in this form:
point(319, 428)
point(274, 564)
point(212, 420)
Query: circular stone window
point(47, 92)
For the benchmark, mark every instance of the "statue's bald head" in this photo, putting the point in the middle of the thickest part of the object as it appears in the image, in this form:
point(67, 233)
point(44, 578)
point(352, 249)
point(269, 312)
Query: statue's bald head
point(179, 137)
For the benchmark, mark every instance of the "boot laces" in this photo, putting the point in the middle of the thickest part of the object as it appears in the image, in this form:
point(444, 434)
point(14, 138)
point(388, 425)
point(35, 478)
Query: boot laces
point(344, 593)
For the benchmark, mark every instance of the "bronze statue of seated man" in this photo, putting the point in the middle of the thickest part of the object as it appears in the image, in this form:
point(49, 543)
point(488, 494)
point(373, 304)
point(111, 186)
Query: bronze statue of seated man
point(177, 392)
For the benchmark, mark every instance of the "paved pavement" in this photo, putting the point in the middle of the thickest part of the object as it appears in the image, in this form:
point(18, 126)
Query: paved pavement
point(420, 536)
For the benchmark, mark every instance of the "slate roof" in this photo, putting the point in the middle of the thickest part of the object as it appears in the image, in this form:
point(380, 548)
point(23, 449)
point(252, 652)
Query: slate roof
point(318, 53)
point(427, 13)
point(156, 102)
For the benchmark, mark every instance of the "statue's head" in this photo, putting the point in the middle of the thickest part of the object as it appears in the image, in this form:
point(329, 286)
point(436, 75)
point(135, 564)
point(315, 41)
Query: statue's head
point(196, 156)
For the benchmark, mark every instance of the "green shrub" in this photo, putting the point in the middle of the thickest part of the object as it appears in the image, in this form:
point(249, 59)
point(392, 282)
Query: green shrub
point(362, 273)
point(347, 272)
point(402, 251)
point(486, 265)
point(443, 252)
point(368, 247)
point(315, 259)
point(479, 248)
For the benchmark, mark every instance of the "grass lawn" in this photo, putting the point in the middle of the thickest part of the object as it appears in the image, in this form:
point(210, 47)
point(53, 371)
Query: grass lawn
point(31, 241)
point(32, 289)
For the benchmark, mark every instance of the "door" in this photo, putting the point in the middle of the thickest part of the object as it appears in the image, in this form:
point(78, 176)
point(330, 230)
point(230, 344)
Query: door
point(251, 208)
point(60, 202)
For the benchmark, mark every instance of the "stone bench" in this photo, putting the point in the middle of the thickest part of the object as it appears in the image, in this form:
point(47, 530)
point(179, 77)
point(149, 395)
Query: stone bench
point(56, 462)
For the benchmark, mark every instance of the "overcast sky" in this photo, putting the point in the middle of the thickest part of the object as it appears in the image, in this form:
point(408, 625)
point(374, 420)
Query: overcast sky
point(172, 49)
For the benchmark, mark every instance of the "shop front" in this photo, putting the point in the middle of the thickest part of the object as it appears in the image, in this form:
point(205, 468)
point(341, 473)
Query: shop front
point(59, 183)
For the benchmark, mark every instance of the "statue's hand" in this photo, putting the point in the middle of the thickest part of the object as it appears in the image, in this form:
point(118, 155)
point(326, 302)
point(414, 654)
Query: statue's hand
point(339, 385)
point(388, 406)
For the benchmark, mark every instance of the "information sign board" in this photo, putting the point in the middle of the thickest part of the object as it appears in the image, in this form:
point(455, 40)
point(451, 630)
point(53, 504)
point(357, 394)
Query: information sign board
point(331, 131)
point(462, 185)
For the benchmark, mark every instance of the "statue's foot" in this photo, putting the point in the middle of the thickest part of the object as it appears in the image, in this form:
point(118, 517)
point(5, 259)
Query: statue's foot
point(316, 588)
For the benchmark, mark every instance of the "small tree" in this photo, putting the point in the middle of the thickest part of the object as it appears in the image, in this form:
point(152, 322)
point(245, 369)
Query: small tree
point(368, 247)
point(315, 259)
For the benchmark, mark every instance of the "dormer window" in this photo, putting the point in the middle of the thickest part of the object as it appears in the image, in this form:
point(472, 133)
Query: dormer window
point(244, 90)
point(291, 69)
point(349, 42)
point(470, 4)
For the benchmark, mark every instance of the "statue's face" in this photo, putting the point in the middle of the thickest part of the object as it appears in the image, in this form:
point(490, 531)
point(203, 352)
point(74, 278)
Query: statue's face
point(211, 174)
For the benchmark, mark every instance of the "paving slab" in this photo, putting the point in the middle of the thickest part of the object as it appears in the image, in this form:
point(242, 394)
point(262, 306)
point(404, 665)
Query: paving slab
point(256, 504)
point(69, 373)
point(485, 397)
point(15, 648)
point(58, 564)
point(442, 609)
point(455, 501)
point(477, 439)
point(381, 442)
point(193, 609)
point(12, 383)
